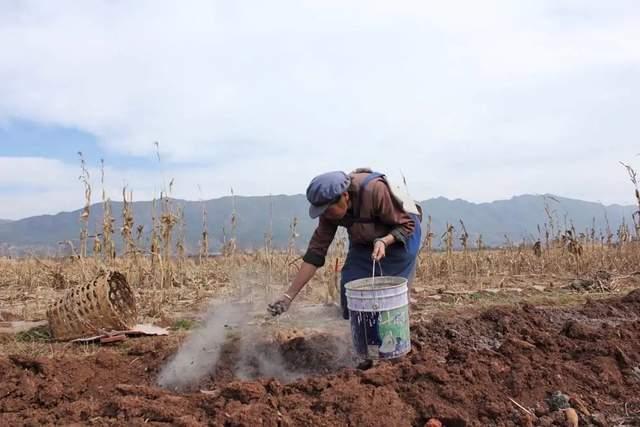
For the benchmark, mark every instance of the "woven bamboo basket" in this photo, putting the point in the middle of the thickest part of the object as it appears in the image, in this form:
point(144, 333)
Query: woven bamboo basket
point(105, 304)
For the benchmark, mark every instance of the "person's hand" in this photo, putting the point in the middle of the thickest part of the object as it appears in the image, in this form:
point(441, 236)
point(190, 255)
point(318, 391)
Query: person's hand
point(279, 306)
point(379, 250)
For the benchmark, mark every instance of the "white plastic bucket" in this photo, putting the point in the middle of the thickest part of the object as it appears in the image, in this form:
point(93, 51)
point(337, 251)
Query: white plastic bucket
point(379, 313)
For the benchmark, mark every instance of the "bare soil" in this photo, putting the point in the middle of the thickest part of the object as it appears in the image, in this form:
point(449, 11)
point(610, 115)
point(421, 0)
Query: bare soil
point(499, 367)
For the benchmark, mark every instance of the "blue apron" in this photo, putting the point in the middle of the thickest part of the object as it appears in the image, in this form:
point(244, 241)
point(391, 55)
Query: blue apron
point(400, 260)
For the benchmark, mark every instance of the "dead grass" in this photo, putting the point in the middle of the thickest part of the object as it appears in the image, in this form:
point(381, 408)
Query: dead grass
point(28, 286)
point(467, 284)
point(170, 287)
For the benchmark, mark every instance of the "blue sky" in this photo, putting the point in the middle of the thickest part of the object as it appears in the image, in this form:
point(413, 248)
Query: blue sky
point(22, 138)
point(28, 139)
point(534, 96)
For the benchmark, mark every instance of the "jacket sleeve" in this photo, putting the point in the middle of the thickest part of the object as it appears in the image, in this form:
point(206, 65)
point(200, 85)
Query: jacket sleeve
point(389, 212)
point(320, 242)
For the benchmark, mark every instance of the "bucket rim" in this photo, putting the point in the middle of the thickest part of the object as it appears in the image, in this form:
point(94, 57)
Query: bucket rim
point(381, 282)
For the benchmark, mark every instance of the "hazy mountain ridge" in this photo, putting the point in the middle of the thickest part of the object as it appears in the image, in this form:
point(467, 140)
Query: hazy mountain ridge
point(516, 218)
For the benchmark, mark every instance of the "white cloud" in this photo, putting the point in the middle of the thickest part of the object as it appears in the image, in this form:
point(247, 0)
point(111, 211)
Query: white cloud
point(262, 95)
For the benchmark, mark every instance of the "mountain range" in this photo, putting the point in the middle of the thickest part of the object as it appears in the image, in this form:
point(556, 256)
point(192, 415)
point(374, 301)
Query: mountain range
point(514, 219)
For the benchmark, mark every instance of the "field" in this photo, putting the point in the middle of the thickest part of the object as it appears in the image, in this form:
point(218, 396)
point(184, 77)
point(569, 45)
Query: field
point(495, 333)
point(167, 167)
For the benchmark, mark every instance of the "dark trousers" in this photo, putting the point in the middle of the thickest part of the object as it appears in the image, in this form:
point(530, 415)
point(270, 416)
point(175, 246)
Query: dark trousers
point(400, 260)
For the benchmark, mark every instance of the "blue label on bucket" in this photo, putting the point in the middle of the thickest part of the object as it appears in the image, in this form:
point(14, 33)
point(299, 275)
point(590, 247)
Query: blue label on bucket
point(381, 335)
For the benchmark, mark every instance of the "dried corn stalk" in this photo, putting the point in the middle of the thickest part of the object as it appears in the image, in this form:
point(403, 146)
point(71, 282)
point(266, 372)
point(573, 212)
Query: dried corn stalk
point(84, 216)
point(108, 246)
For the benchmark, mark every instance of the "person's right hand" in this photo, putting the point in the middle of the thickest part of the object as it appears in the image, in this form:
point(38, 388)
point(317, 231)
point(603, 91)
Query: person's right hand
point(379, 250)
point(279, 306)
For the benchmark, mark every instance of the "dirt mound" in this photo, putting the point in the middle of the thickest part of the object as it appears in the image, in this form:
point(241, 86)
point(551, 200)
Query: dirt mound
point(492, 369)
point(285, 358)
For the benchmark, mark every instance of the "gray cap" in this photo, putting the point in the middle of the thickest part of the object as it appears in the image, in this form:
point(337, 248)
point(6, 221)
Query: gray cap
point(324, 190)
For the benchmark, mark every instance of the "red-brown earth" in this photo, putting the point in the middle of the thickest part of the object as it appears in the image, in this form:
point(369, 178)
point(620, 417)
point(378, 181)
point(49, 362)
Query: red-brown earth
point(462, 371)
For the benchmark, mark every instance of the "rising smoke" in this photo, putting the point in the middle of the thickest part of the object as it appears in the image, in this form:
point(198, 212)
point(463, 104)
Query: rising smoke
point(265, 361)
point(258, 355)
point(199, 354)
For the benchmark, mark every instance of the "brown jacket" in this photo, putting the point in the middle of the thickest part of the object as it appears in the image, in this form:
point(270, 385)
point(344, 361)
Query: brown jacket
point(376, 204)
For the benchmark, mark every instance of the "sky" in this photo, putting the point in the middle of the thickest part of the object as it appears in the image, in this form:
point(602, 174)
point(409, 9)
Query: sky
point(466, 99)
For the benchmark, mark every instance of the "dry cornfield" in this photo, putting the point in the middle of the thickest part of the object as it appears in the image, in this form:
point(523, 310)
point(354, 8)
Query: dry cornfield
point(542, 332)
point(180, 284)
point(481, 352)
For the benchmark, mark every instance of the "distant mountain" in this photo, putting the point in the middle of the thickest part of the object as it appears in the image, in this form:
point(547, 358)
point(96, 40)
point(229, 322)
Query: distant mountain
point(516, 219)
point(520, 216)
point(4, 221)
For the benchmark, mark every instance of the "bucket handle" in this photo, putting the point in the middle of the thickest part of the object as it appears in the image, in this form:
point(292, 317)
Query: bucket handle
point(375, 305)
point(373, 272)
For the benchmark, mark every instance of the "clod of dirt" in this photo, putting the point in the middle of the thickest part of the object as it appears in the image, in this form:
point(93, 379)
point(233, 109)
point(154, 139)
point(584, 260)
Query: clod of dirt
point(138, 390)
point(513, 346)
point(526, 420)
point(380, 376)
point(244, 392)
point(324, 352)
point(623, 360)
point(290, 359)
point(579, 331)
point(558, 400)
point(49, 396)
point(632, 297)
point(365, 364)
point(598, 420)
point(26, 363)
point(433, 422)
point(540, 410)
point(452, 334)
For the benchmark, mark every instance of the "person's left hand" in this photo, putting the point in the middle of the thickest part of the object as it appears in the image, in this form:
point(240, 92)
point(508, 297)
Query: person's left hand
point(379, 250)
